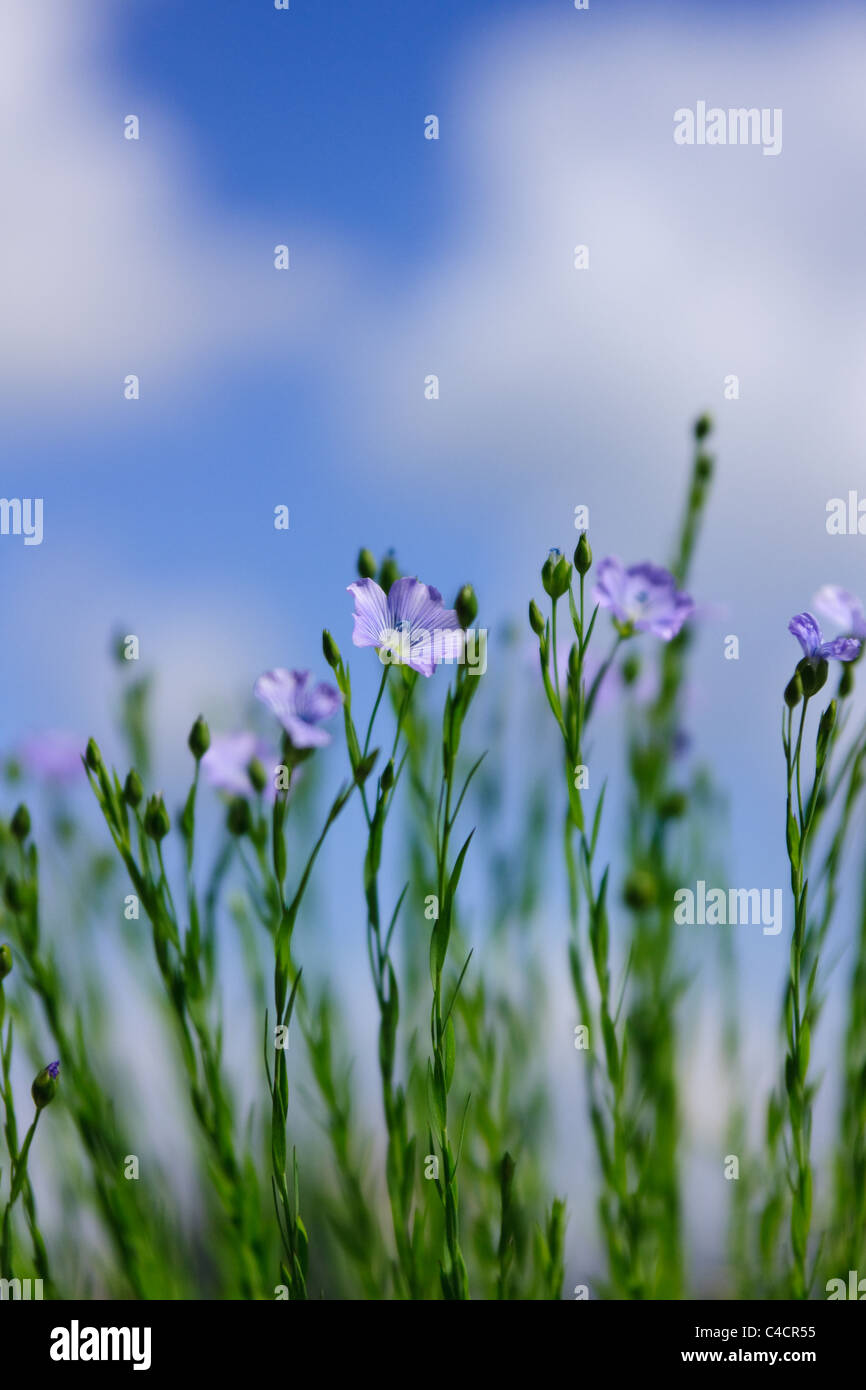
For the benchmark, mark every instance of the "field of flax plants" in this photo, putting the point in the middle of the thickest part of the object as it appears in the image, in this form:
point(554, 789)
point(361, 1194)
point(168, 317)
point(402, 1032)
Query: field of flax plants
point(301, 1168)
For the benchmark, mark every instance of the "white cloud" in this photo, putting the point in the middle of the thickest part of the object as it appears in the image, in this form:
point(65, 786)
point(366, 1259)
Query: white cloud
point(113, 262)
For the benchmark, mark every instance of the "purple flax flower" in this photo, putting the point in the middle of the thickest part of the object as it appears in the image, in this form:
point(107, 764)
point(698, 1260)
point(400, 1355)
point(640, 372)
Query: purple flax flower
point(53, 755)
point(645, 596)
point(409, 625)
point(53, 1070)
point(842, 608)
point(226, 763)
point(299, 705)
point(815, 649)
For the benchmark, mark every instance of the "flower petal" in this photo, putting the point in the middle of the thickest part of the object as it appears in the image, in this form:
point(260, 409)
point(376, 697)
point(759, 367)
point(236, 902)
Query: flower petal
point(842, 648)
point(372, 616)
point(807, 632)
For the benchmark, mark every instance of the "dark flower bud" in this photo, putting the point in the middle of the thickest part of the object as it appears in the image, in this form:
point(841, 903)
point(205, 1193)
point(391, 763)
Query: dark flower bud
point(13, 894)
point(199, 738)
point(133, 790)
point(44, 1088)
point(583, 554)
point(813, 674)
point(20, 823)
point(387, 780)
point(92, 756)
point(794, 691)
point(5, 961)
point(390, 571)
point(366, 564)
point(631, 668)
point(846, 680)
point(703, 467)
point(156, 821)
point(466, 606)
point(703, 425)
point(257, 775)
point(640, 890)
point(330, 649)
point(239, 819)
point(825, 729)
point(536, 621)
point(556, 574)
point(365, 766)
point(673, 806)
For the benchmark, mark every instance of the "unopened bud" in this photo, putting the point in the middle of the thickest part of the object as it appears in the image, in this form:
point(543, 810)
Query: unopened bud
point(92, 755)
point(330, 649)
point(156, 821)
point(387, 780)
point(44, 1088)
point(5, 961)
point(390, 571)
point(13, 894)
point(133, 790)
point(794, 691)
point(20, 823)
point(640, 890)
point(703, 425)
point(583, 554)
point(238, 818)
point(466, 606)
point(199, 738)
point(257, 775)
point(536, 621)
point(366, 564)
point(365, 766)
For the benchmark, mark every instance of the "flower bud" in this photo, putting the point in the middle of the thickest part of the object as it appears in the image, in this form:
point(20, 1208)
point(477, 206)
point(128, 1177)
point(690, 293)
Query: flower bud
point(156, 821)
point(257, 775)
point(846, 680)
point(673, 806)
point(574, 665)
point(20, 823)
point(44, 1088)
point(640, 890)
point(794, 691)
point(561, 577)
point(199, 738)
point(366, 564)
point(631, 668)
point(387, 780)
point(703, 467)
point(390, 571)
point(13, 894)
point(133, 790)
point(238, 818)
point(92, 756)
point(583, 554)
point(825, 729)
point(330, 649)
point(703, 425)
point(813, 674)
point(536, 621)
point(5, 961)
point(365, 766)
point(466, 606)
